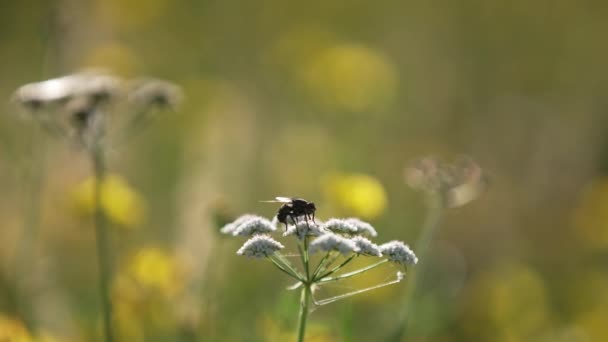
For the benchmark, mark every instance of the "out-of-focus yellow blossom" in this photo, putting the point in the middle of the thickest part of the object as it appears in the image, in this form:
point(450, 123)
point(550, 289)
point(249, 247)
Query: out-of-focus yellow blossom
point(356, 194)
point(590, 219)
point(507, 303)
point(272, 331)
point(588, 300)
point(12, 330)
point(593, 324)
point(128, 321)
point(350, 77)
point(152, 270)
point(143, 291)
point(121, 204)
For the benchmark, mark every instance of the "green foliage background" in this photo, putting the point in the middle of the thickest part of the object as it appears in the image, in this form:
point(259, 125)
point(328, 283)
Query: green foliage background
point(281, 97)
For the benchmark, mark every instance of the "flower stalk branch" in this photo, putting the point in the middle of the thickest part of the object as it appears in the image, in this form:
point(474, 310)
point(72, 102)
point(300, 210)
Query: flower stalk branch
point(102, 241)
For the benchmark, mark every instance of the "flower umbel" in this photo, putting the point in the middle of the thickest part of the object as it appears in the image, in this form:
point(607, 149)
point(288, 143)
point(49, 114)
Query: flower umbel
point(260, 246)
point(253, 225)
point(350, 226)
point(333, 242)
point(232, 226)
point(366, 247)
point(304, 228)
point(399, 252)
point(336, 239)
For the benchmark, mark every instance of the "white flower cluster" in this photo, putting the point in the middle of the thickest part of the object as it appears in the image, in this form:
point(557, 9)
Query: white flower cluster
point(84, 84)
point(366, 247)
point(84, 105)
point(350, 226)
point(248, 225)
point(260, 246)
point(342, 235)
point(304, 228)
point(399, 252)
point(333, 242)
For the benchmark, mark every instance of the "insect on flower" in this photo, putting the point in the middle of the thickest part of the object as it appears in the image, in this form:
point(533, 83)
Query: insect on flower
point(293, 208)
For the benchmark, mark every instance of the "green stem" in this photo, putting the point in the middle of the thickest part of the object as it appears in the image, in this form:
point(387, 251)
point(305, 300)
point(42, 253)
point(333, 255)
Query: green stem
point(287, 264)
point(303, 317)
point(353, 273)
point(429, 230)
point(306, 258)
point(306, 292)
point(320, 266)
point(101, 238)
point(337, 268)
point(283, 268)
point(349, 294)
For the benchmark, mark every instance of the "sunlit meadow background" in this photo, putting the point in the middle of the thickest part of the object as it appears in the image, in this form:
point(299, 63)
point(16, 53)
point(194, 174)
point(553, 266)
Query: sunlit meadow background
point(327, 100)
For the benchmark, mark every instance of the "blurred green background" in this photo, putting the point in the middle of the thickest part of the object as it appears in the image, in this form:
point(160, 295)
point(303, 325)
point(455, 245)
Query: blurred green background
point(327, 100)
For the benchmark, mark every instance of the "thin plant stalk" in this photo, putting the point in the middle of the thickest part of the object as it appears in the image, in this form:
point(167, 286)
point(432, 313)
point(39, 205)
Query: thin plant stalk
point(305, 294)
point(353, 273)
point(102, 240)
point(303, 316)
point(429, 229)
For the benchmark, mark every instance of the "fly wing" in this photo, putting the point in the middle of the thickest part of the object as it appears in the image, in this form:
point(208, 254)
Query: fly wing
point(279, 200)
point(283, 199)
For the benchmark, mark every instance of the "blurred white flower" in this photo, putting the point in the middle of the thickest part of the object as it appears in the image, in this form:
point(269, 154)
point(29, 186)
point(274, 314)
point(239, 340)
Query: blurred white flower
point(333, 242)
point(260, 246)
point(399, 252)
point(93, 85)
point(154, 92)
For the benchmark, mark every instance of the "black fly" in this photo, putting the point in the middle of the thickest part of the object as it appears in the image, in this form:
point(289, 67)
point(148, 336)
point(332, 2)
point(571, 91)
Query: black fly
point(293, 208)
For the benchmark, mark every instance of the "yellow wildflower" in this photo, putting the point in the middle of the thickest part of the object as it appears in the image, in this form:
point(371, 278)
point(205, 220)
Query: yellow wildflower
point(13, 330)
point(150, 270)
point(508, 303)
point(272, 331)
point(356, 194)
point(351, 77)
point(121, 204)
point(143, 293)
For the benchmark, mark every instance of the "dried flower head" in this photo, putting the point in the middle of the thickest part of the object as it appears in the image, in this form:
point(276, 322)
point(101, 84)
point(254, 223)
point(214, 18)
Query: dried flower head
point(154, 92)
point(304, 228)
point(366, 247)
point(458, 183)
point(333, 242)
point(399, 252)
point(91, 85)
point(260, 246)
